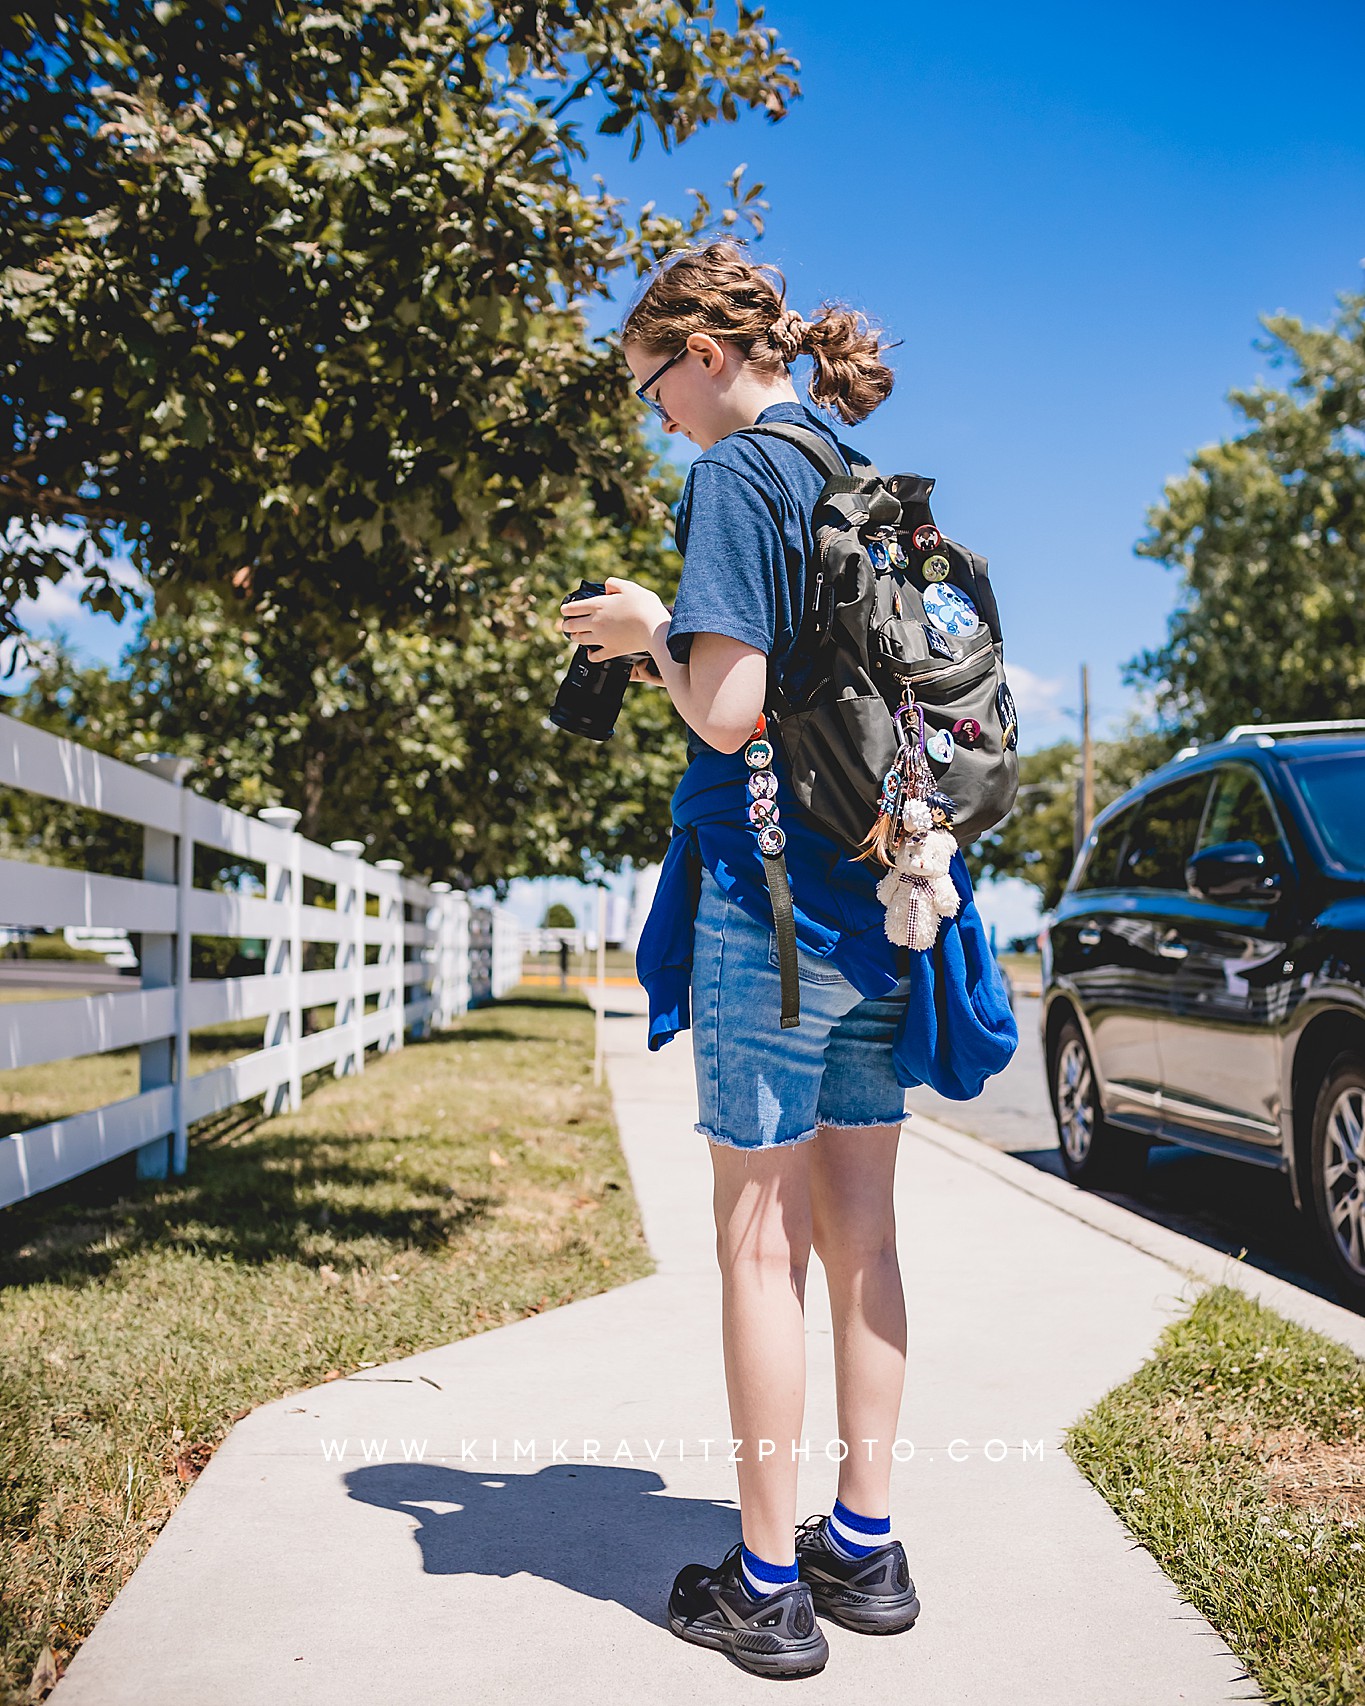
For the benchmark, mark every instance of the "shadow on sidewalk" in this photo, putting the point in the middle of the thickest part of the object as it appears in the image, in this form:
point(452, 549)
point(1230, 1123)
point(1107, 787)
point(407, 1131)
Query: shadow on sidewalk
point(595, 1528)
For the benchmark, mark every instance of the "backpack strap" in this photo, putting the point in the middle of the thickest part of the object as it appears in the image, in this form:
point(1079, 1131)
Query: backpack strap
point(822, 453)
point(838, 478)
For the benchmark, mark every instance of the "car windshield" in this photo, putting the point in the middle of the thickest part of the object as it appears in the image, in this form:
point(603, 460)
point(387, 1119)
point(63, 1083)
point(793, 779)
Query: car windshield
point(1331, 785)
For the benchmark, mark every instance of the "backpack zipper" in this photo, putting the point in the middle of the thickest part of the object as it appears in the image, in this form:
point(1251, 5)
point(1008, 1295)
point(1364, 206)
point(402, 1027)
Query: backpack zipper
point(921, 678)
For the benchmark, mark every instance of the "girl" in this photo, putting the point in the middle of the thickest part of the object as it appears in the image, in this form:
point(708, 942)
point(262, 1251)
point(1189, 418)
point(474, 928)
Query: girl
point(802, 1123)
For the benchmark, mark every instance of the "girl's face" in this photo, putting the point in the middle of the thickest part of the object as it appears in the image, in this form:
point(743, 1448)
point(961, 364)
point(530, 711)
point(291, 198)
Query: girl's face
point(698, 391)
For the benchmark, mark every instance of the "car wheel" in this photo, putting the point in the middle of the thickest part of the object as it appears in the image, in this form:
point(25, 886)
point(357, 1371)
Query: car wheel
point(1338, 1173)
point(1094, 1153)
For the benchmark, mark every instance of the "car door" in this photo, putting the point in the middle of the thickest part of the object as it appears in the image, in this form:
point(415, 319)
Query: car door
point(1219, 1041)
point(1151, 884)
point(1098, 957)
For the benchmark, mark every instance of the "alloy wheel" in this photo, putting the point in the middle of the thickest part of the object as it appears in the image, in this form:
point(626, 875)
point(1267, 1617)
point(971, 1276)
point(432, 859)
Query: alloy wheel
point(1075, 1099)
point(1343, 1175)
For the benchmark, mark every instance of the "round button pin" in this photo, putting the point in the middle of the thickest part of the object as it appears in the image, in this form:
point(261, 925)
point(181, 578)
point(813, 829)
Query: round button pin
point(762, 785)
point(950, 611)
point(936, 569)
point(967, 730)
point(758, 755)
point(763, 811)
point(771, 840)
point(927, 538)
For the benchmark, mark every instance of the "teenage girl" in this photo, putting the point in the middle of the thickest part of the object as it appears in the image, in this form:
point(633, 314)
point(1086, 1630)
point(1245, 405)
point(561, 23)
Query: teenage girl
point(802, 1123)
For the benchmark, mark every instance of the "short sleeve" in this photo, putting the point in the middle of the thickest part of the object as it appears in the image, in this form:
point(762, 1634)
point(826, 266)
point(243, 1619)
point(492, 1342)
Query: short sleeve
point(733, 554)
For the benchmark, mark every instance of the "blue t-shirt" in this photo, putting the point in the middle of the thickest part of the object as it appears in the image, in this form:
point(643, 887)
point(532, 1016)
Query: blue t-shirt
point(744, 529)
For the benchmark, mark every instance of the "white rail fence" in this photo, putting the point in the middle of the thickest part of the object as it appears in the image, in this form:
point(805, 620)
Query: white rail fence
point(437, 955)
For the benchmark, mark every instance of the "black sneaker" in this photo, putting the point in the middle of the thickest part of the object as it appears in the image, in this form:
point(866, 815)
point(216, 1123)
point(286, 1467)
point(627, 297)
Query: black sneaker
point(873, 1595)
point(776, 1636)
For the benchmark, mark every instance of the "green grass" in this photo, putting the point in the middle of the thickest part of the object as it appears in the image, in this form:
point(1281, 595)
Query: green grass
point(620, 962)
point(1236, 1455)
point(454, 1186)
point(52, 948)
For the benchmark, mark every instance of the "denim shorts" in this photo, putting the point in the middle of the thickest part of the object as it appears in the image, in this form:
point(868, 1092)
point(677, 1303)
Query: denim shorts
point(759, 1086)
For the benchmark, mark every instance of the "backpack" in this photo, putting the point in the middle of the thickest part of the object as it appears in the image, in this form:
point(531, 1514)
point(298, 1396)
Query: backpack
point(896, 614)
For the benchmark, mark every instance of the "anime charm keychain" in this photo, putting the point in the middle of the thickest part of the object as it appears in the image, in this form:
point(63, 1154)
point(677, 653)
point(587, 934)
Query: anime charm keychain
point(913, 836)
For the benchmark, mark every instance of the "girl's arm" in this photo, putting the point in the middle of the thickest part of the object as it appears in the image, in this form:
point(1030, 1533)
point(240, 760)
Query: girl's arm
point(719, 691)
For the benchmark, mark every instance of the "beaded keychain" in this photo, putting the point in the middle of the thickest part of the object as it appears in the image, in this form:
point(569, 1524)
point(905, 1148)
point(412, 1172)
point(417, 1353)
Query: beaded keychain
point(913, 836)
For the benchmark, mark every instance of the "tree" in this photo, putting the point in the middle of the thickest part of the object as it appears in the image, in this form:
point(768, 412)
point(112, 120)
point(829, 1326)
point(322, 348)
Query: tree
point(1268, 531)
point(1036, 841)
point(432, 749)
point(310, 285)
point(558, 917)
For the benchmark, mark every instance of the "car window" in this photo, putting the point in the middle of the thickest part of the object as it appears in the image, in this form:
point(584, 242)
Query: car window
point(1240, 810)
point(1163, 836)
point(1331, 785)
point(1102, 863)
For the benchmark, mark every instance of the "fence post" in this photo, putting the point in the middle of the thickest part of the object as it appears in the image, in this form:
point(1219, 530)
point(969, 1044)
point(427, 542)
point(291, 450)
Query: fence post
point(351, 957)
point(463, 972)
point(391, 952)
point(438, 951)
point(284, 957)
point(167, 858)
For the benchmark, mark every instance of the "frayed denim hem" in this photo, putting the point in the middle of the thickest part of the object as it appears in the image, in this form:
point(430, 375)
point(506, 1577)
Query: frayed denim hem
point(863, 1125)
point(731, 1143)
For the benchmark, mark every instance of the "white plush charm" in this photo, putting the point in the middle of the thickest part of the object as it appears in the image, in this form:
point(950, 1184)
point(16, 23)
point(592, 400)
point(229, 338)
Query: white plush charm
point(916, 816)
point(917, 891)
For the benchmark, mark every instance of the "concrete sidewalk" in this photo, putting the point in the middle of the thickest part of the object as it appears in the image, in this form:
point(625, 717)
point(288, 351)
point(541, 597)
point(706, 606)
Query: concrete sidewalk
point(286, 1576)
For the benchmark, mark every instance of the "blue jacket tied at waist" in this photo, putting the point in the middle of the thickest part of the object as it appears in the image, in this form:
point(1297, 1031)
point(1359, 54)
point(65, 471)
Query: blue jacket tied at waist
point(957, 1029)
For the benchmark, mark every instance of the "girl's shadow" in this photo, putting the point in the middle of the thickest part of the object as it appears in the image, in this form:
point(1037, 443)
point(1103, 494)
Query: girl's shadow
point(596, 1528)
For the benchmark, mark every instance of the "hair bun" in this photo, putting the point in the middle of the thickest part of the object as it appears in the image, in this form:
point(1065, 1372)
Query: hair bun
point(787, 334)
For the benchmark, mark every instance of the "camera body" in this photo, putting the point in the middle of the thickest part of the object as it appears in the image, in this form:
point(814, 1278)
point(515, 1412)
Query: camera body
point(591, 694)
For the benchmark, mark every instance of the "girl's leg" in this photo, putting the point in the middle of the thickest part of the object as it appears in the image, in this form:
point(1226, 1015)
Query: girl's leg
point(853, 1229)
point(763, 1241)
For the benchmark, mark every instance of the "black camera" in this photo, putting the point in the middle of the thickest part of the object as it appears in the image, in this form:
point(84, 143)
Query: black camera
point(591, 694)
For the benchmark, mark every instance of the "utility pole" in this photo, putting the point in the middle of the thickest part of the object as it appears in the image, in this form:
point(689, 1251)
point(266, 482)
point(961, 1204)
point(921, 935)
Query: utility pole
point(1085, 781)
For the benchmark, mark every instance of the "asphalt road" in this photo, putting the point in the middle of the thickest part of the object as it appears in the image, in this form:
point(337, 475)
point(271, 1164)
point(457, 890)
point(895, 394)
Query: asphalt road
point(1227, 1205)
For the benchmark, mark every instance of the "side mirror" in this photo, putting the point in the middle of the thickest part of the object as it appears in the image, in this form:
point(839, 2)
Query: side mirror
point(1233, 870)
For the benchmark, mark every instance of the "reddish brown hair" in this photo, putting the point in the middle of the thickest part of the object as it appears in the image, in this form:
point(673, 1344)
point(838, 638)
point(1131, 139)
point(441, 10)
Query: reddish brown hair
point(716, 288)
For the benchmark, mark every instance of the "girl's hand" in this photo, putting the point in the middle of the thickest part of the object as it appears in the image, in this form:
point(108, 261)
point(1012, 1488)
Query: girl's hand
point(622, 620)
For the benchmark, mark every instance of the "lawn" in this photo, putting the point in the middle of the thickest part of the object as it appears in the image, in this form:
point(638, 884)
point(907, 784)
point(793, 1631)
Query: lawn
point(1236, 1455)
point(456, 1185)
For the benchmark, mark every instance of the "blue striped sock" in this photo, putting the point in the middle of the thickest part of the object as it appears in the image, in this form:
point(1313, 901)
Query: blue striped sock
point(762, 1578)
point(854, 1536)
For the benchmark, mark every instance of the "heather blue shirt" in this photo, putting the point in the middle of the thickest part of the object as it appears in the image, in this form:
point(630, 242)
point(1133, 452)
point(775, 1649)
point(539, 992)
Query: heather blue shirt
point(744, 528)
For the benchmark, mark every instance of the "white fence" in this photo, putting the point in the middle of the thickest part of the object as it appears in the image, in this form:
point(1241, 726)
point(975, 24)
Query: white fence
point(436, 955)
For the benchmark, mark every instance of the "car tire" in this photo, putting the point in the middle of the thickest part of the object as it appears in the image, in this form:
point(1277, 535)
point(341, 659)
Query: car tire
point(1337, 1174)
point(1095, 1154)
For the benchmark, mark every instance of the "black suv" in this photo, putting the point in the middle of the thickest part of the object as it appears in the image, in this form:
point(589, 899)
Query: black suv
point(1204, 974)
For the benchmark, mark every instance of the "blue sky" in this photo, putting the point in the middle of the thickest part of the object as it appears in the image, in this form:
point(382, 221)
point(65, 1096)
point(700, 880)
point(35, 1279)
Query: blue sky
point(1073, 217)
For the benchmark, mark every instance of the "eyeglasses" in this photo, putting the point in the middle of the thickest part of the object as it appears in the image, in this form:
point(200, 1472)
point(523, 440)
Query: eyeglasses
point(654, 378)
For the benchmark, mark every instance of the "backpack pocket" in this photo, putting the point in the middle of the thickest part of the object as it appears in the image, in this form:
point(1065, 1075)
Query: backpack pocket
point(966, 699)
point(837, 751)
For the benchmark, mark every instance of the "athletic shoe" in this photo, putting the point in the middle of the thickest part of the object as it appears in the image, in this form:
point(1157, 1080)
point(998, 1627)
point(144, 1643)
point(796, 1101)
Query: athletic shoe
point(776, 1636)
point(873, 1595)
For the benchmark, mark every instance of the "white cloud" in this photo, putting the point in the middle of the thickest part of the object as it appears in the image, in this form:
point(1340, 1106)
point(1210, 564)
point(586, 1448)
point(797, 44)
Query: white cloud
point(1035, 695)
point(1042, 717)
